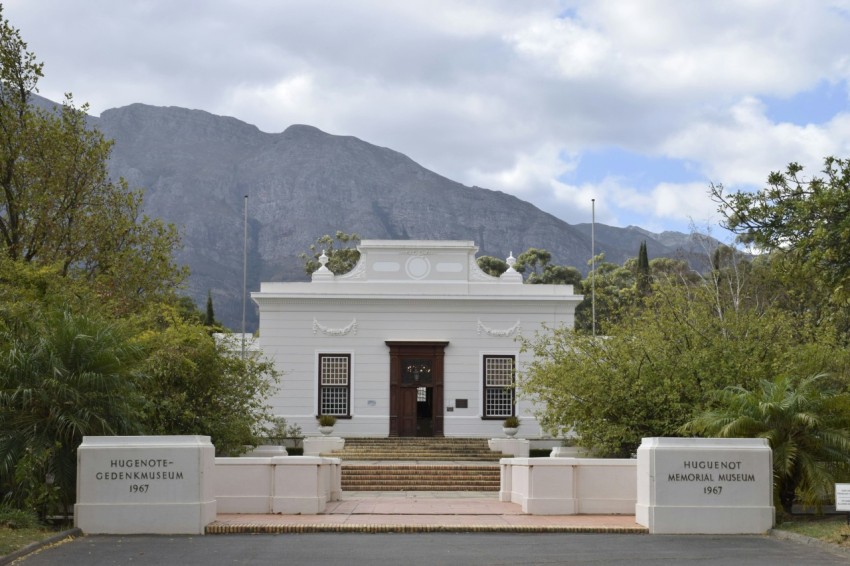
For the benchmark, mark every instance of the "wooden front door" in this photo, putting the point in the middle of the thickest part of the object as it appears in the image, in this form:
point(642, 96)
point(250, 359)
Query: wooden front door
point(416, 388)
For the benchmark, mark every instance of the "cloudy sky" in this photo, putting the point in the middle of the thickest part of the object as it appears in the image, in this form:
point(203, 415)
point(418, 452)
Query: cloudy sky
point(637, 104)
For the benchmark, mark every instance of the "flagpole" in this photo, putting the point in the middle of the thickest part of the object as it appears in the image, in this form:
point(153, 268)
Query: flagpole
point(593, 265)
point(244, 273)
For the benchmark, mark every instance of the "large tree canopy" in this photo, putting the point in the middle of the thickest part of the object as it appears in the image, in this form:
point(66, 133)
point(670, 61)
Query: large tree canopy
point(62, 376)
point(809, 220)
point(57, 203)
point(662, 357)
point(93, 339)
point(195, 385)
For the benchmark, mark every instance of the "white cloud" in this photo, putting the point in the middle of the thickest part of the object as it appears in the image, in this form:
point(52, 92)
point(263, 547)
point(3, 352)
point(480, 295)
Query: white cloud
point(283, 102)
point(528, 173)
point(575, 52)
point(742, 146)
point(575, 203)
point(501, 94)
point(680, 201)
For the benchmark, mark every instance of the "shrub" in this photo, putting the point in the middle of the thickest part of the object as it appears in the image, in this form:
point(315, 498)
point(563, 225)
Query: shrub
point(279, 431)
point(11, 518)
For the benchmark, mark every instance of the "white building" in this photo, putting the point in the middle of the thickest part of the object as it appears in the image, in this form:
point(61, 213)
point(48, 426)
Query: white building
point(416, 340)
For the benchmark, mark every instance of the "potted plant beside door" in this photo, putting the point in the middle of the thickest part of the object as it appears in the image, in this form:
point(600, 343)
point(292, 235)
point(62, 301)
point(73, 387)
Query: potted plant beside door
point(510, 425)
point(326, 424)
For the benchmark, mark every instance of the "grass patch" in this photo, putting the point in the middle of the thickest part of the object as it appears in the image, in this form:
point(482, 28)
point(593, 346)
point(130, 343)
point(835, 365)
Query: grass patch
point(20, 528)
point(15, 539)
point(828, 528)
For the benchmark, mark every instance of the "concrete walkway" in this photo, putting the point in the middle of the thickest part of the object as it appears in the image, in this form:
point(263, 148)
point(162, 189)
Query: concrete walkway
point(422, 511)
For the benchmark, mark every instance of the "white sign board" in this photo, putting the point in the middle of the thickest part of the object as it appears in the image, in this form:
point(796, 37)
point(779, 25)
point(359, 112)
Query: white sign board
point(842, 497)
point(705, 485)
point(145, 484)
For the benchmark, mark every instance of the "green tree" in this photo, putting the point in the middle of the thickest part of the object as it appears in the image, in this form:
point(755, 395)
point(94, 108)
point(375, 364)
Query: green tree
point(340, 249)
point(533, 261)
point(57, 204)
point(209, 317)
point(614, 289)
point(492, 265)
point(806, 220)
point(195, 385)
point(557, 275)
point(537, 262)
point(658, 362)
point(643, 279)
point(62, 376)
point(806, 422)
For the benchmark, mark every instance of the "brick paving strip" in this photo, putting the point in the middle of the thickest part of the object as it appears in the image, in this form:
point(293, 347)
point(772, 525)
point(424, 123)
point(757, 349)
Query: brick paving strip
point(423, 512)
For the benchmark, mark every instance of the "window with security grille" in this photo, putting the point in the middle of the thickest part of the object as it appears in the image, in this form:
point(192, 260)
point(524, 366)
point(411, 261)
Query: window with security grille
point(334, 384)
point(499, 386)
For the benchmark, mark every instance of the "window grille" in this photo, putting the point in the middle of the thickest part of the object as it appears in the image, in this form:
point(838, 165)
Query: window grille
point(334, 384)
point(499, 377)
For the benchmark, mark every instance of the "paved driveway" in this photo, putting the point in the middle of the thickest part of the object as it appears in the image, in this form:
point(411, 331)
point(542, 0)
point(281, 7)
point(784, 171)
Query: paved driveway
point(422, 549)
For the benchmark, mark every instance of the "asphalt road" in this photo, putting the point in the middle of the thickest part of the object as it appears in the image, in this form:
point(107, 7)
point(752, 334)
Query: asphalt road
point(418, 549)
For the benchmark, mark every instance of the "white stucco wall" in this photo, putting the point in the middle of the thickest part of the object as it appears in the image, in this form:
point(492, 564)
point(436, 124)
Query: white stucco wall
point(356, 314)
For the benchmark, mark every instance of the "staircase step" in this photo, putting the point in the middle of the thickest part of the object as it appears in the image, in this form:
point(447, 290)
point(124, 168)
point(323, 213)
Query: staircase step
point(412, 477)
point(483, 476)
point(416, 449)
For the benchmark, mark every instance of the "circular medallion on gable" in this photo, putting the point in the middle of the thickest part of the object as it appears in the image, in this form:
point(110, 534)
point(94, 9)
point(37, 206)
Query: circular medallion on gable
point(417, 267)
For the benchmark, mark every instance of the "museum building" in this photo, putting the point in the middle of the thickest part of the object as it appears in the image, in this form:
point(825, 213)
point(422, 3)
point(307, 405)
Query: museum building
point(416, 340)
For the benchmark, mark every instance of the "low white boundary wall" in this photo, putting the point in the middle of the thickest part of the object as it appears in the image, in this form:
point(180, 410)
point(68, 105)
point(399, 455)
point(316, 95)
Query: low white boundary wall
point(174, 485)
point(515, 447)
point(316, 445)
point(282, 484)
point(570, 486)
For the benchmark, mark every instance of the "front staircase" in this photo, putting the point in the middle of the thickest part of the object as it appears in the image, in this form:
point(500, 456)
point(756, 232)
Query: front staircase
point(418, 464)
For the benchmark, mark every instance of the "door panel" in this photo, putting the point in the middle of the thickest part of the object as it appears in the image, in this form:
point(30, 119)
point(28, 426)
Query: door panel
point(407, 414)
point(414, 365)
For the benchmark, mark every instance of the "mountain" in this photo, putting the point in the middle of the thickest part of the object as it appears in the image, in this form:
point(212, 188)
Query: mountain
point(197, 167)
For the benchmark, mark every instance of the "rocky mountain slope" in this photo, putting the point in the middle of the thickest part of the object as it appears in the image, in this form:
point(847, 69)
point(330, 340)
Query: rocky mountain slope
point(302, 183)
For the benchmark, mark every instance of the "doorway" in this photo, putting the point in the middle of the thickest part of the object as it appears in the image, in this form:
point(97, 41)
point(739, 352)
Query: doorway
point(416, 388)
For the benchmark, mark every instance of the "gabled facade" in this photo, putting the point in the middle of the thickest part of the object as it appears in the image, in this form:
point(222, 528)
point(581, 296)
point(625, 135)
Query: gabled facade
point(416, 340)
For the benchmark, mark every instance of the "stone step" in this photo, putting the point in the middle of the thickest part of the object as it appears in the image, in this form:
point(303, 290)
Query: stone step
point(430, 440)
point(448, 442)
point(416, 449)
point(412, 457)
point(418, 477)
point(422, 470)
point(417, 487)
point(413, 477)
point(451, 449)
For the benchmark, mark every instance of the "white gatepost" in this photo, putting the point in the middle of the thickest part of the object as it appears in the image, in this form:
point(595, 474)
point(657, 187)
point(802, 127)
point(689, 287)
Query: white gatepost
point(145, 485)
point(705, 485)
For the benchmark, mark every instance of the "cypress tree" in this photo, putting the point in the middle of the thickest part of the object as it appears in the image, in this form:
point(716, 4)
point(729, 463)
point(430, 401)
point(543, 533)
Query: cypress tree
point(643, 278)
point(209, 318)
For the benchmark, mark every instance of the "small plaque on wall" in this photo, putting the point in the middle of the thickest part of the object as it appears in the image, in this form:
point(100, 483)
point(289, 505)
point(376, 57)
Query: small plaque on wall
point(462, 403)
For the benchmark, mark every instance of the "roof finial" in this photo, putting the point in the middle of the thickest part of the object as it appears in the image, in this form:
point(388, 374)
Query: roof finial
point(511, 275)
point(323, 273)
